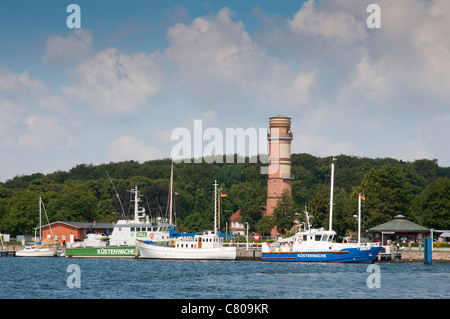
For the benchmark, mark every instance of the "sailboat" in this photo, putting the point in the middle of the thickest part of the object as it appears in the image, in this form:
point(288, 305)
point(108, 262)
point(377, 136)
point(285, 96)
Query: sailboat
point(36, 249)
point(190, 246)
point(316, 245)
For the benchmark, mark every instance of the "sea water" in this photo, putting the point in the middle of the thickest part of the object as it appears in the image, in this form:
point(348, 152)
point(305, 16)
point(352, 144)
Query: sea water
point(70, 278)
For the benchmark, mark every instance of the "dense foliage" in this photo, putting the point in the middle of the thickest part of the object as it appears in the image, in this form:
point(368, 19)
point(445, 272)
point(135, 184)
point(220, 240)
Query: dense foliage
point(420, 190)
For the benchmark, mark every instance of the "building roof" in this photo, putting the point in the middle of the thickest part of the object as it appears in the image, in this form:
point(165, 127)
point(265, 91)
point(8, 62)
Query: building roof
point(399, 224)
point(236, 217)
point(84, 225)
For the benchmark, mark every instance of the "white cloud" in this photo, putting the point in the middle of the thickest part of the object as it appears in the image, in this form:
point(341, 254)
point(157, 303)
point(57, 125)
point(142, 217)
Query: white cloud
point(348, 89)
point(372, 79)
point(40, 133)
point(77, 45)
point(114, 83)
point(406, 63)
point(128, 147)
point(339, 25)
point(23, 103)
point(14, 83)
point(10, 115)
point(218, 62)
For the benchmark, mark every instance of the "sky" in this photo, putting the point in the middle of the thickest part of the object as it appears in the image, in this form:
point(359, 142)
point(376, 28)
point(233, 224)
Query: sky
point(116, 88)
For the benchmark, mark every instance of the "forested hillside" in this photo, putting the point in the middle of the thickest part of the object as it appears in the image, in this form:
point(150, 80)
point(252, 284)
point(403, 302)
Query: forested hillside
point(420, 190)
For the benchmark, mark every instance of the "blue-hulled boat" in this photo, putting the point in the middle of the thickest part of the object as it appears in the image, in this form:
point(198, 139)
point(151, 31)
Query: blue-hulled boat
point(316, 245)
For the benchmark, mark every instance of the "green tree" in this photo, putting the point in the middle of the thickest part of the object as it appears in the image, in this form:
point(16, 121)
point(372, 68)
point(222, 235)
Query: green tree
point(265, 224)
point(250, 198)
point(432, 206)
point(21, 213)
point(320, 208)
point(284, 213)
point(343, 210)
point(75, 202)
point(195, 222)
point(387, 194)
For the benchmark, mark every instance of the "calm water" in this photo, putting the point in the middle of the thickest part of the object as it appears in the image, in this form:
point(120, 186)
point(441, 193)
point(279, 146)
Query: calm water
point(135, 279)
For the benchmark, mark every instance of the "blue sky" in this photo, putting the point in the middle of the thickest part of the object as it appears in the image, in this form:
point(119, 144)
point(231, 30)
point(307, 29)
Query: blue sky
point(116, 88)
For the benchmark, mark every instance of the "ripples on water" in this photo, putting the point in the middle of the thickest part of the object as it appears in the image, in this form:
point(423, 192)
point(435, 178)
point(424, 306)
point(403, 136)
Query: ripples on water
point(150, 279)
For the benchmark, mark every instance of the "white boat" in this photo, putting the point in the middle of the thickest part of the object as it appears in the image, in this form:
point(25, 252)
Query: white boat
point(196, 246)
point(316, 245)
point(205, 246)
point(92, 240)
point(121, 243)
point(126, 231)
point(36, 249)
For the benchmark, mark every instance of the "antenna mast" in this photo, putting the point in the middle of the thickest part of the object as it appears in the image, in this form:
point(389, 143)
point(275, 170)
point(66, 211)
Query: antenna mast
point(331, 195)
point(117, 194)
point(215, 207)
point(170, 194)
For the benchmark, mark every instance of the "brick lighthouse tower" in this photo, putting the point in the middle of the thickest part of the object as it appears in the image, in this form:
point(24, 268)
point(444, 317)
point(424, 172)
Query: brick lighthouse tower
point(280, 178)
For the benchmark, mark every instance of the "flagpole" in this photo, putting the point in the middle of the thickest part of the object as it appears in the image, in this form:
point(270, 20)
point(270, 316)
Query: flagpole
point(359, 218)
point(215, 207)
point(219, 194)
point(331, 196)
point(171, 194)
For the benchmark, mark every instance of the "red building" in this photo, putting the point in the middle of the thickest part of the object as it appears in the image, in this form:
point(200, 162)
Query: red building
point(280, 177)
point(236, 226)
point(66, 232)
point(279, 170)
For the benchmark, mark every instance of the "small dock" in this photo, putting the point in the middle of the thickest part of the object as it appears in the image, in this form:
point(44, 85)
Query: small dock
point(403, 254)
point(438, 256)
point(9, 250)
point(242, 253)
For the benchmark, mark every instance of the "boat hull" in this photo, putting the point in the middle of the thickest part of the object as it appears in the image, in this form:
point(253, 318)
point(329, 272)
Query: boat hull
point(102, 252)
point(347, 255)
point(38, 252)
point(155, 251)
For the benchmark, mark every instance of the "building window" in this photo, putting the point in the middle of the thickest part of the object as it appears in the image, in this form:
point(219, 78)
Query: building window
point(274, 183)
point(63, 236)
point(274, 194)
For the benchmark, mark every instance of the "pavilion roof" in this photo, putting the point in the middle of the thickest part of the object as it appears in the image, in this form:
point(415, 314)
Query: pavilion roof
point(399, 224)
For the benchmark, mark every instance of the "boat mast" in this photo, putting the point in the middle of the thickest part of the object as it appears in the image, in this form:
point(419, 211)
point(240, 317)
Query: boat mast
point(307, 219)
point(40, 219)
point(117, 194)
point(215, 207)
point(359, 218)
point(331, 195)
point(136, 216)
point(170, 194)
